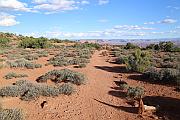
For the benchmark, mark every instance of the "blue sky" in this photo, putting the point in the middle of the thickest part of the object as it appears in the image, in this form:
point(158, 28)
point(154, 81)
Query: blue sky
point(90, 19)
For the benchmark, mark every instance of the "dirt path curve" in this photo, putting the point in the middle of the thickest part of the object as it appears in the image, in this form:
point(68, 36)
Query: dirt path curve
point(94, 101)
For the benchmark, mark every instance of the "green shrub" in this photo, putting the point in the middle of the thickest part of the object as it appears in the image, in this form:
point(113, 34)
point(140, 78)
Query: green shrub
point(22, 63)
point(14, 75)
point(123, 86)
point(29, 91)
point(49, 91)
point(11, 114)
point(82, 65)
point(31, 57)
point(12, 91)
point(30, 42)
point(139, 61)
point(135, 93)
point(66, 89)
point(120, 60)
point(88, 45)
point(64, 75)
point(4, 42)
point(165, 75)
point(130, 46)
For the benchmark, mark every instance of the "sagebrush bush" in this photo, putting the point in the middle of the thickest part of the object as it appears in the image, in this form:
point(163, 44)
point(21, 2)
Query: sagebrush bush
point(14, 75)
point(12, 91)
point(120, 60)
point(135, 93)
point(139, 61)
point(66, 89)
point(22, 63)
point(165, 75)
point(30, 91)
point(31, 57)
point(124, 86)
point(82, 65)
point(11, 114)
point(64, 75)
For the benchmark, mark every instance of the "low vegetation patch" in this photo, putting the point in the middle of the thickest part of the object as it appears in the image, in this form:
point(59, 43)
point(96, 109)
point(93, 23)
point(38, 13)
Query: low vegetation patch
point(11, 114)
point(29, 91)
point(22, 63)
point(64, 75)
point(14, 75)
point(165, 75)
point(30, 42)
point(135, 92)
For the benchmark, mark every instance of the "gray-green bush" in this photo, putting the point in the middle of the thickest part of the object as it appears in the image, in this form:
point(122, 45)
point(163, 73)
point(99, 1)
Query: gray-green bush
point(64, 75)
point(11, 114)
point(29, 91)
point(14, 75)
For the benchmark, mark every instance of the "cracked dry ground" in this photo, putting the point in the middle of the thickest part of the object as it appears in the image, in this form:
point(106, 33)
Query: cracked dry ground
point(99, 99)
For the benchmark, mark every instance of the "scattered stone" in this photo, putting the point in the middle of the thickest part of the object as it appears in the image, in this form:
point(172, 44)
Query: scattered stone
point(44, 104)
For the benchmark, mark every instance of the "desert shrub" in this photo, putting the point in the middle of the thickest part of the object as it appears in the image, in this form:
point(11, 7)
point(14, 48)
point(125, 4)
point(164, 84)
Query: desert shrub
point(30, 42)
point(32, 93)
point(139, 61)
point(165, 75)
point(49, 91)
point(14, 75)
point(64, 75)
point(42, 54)
point(130, 46)
point(87, 45)
point(11, 114)
point(58, 61)
point(1, 65)
point(22, 63)
point(21, 82)
point(31, 57)
point(4, 42)
point(120, 60)
point(66, 89)
point(164, 46)
point(135, 93)
point(1, 60)
point(123, 86)
point(29, 91)
point(13, 56)
point(82, 65)
point(12, 91)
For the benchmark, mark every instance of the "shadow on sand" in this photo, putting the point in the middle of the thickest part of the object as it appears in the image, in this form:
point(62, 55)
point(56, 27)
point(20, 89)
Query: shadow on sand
point(123, 108)
point(115, 69)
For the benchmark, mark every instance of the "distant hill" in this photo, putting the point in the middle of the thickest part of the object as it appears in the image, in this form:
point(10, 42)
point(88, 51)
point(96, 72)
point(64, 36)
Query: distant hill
point(140, 42)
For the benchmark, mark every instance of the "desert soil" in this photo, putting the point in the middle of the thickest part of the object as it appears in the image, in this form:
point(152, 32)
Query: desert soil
point(99, 99)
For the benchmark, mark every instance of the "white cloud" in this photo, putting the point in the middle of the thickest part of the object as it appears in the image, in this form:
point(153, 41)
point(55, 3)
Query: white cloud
point(14, 5)
point(132, 27)
point(7, 20)
point(165, 21)
point(149, 23)
point(85, 2)
point(168, 21)
point(56, 5)
point(102, 2)
point(39, 1)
